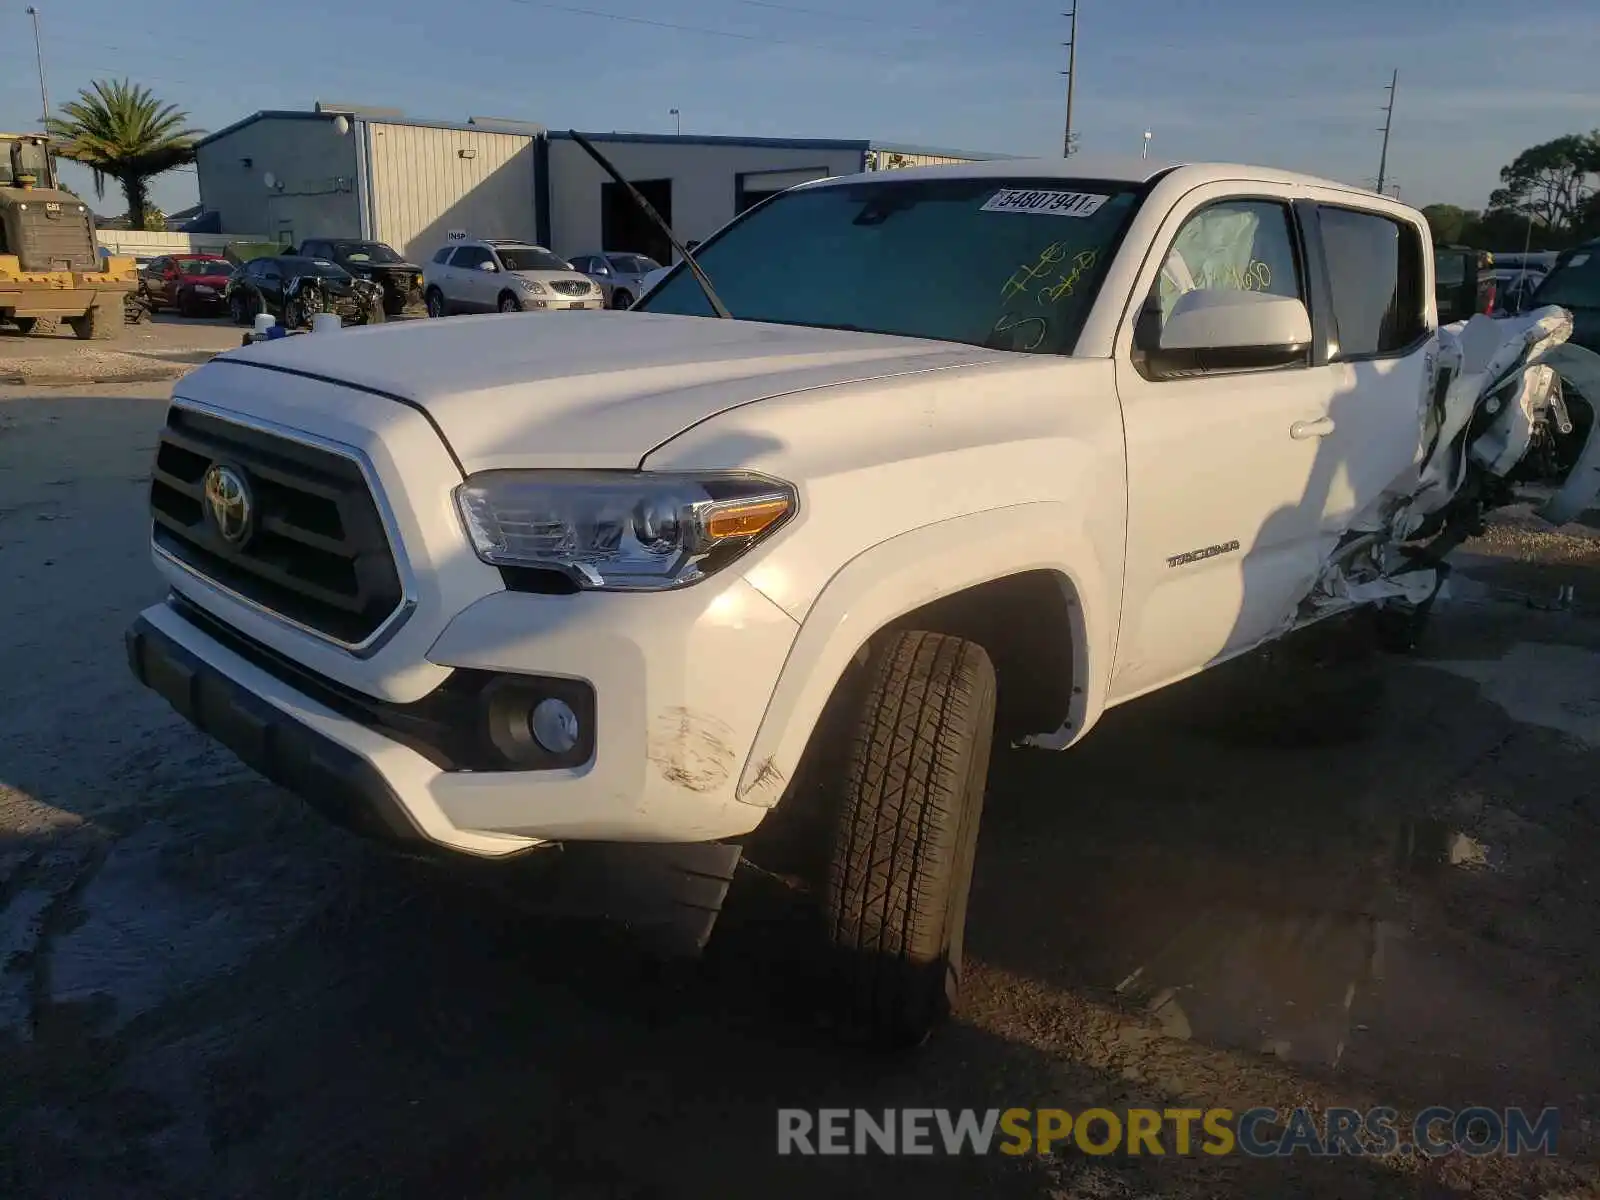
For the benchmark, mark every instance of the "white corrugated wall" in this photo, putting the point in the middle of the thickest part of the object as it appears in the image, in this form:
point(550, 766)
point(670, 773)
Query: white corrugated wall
point(423, 186)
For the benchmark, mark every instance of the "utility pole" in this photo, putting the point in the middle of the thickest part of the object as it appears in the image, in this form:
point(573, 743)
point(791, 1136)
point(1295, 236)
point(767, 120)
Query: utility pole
point(1072, 75)
point(678, 116)
point(38, 55)
point(1388, 121)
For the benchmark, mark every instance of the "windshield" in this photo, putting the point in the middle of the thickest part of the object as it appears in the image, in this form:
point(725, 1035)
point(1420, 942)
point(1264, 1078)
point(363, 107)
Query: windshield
point(633, 264)
point(1450, 268)
point(35, 161)
point(1574, 284)
point(319, 267)
point(203, 266)
point(373, 252)
point(532, 258)
point(1012, 264)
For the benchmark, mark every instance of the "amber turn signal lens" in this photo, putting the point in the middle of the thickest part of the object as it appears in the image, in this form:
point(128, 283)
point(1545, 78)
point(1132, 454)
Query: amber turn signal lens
point(746, 518)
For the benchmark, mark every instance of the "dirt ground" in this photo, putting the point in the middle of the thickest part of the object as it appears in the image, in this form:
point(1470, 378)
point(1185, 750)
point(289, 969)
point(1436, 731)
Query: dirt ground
point(152, 351)
point(204, 991)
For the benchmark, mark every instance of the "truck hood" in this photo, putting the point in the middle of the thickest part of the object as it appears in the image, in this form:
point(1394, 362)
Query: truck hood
point(591, 388)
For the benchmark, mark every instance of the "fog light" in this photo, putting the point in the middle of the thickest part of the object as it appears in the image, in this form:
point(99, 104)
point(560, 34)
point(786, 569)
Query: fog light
point(554, 725)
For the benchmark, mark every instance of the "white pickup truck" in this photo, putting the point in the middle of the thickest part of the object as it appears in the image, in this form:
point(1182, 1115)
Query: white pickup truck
point(982, 451)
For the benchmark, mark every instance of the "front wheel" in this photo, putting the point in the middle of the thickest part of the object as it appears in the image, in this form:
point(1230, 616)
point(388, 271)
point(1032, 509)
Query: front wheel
point(621, 298)
point(238, 309)
point(150, 302)
point(909, 796)
point(509, 303)
point(434, 302)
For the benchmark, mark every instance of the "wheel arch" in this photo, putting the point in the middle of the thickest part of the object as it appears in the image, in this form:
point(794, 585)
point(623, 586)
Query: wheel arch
point(1023, 581)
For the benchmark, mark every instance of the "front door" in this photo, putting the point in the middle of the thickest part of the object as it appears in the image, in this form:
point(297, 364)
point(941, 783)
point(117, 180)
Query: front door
point(1228, 469)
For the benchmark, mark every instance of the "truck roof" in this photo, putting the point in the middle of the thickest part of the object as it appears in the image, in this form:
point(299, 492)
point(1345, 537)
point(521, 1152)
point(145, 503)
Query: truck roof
point(1117, 169)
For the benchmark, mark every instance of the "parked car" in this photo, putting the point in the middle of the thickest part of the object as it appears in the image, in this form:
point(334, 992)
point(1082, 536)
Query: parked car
point(293, 289)
point(377, 261)
point(193, 284)
point(1574, 284)
point(660, 273)
point(946, 458)
point(1514, 287)
point(504, 276)
point(1463, 282)
point(620, 276)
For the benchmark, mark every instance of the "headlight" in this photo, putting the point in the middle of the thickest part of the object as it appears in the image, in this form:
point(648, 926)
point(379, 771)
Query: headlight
point(416, 281)
point(620, 530)
point(532, 286)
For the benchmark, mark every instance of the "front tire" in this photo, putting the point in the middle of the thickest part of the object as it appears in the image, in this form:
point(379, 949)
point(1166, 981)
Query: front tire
point(433, 301)
point(621, 298)
point(509, 303)
point(100, 324)
point(906, 835)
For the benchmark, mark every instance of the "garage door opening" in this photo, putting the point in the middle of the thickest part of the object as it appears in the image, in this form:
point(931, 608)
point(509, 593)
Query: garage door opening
point(624, 228)
point(752, 187)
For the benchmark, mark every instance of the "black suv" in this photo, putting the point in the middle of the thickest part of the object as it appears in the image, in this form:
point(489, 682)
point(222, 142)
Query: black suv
point(400, 280)
point(1574, 284)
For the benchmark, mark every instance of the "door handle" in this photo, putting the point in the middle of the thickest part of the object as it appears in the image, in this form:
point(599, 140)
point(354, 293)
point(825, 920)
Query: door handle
point(1321, 427)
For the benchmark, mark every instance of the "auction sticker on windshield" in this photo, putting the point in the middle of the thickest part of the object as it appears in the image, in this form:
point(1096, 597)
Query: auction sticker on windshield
point(1055, 204)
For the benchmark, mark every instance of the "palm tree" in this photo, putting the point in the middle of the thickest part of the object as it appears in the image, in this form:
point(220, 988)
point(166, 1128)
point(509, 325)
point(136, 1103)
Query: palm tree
point(120, 129)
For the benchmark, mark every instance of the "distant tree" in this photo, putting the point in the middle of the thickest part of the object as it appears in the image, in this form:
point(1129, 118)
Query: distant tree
point(1551, 181)
point(155, 221)
point(1448, 223)
point(119, 129)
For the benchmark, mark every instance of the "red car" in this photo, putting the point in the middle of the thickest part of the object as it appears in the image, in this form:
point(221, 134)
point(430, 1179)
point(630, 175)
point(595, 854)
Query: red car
point(191, 283)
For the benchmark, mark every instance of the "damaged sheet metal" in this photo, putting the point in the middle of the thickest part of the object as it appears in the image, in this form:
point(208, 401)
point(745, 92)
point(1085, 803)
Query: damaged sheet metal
point(1508, 406)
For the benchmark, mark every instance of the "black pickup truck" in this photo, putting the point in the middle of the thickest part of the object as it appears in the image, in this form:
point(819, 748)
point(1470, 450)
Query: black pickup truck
point(1463, 282)
point(401, 280)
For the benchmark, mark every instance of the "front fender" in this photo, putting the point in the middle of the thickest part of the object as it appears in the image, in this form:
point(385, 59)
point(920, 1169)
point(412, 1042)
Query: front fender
point(915, 568)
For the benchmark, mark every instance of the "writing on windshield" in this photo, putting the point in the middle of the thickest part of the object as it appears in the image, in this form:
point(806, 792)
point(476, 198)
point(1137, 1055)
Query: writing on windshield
point(1012, 264)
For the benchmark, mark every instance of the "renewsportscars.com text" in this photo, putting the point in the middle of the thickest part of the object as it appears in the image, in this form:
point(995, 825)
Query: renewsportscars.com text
point(1254, 1132)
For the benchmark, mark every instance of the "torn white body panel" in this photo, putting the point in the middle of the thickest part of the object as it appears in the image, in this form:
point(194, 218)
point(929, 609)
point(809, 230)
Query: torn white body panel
point(1504, 394)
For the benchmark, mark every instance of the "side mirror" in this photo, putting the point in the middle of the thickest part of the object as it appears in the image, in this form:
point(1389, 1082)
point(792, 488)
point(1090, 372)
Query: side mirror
point(487, 265)
point(1214, 330)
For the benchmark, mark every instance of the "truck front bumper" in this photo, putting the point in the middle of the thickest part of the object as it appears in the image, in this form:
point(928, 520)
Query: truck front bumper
point(661, 767)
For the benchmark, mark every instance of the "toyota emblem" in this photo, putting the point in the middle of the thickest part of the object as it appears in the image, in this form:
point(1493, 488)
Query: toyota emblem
point(229, 504)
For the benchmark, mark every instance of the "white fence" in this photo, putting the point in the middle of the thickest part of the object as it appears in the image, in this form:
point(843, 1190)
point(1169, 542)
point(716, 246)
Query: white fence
point(131, 241)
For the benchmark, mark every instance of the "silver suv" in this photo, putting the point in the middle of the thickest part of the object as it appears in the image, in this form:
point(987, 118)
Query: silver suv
point(503, 276)
point(620, 276)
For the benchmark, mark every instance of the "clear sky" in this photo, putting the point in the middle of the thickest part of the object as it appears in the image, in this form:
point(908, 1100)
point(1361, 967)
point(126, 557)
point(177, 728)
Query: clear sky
point(1292, 83)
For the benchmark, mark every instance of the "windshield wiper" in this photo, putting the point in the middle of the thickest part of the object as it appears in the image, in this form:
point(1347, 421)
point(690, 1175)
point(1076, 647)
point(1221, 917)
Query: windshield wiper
point(648, 209)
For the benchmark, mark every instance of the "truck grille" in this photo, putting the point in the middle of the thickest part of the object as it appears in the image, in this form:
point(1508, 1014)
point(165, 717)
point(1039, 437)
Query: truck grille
point(313, 549)
point(570, 287)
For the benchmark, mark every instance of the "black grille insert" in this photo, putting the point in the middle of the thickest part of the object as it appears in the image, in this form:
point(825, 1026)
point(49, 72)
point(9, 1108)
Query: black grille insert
point(317, 555)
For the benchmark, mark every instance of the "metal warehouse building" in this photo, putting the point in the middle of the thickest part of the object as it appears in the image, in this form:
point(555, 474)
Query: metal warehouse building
point(347, 171)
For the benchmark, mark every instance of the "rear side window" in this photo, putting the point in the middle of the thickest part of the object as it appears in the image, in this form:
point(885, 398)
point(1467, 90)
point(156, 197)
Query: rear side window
point(1375, 273)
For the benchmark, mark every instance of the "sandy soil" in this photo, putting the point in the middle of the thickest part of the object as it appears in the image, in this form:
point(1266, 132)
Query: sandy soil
point(206, 992)
point(153, 351)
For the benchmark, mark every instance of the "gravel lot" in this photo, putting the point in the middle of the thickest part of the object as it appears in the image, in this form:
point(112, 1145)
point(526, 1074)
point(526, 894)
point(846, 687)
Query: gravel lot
point(152, 351)
point(206, 992)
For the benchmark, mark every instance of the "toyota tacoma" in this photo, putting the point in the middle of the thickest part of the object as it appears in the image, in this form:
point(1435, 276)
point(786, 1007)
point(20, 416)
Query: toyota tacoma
point(893, 466)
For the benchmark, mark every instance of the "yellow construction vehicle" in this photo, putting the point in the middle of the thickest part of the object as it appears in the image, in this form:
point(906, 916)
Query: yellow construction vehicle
point(50, 264)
